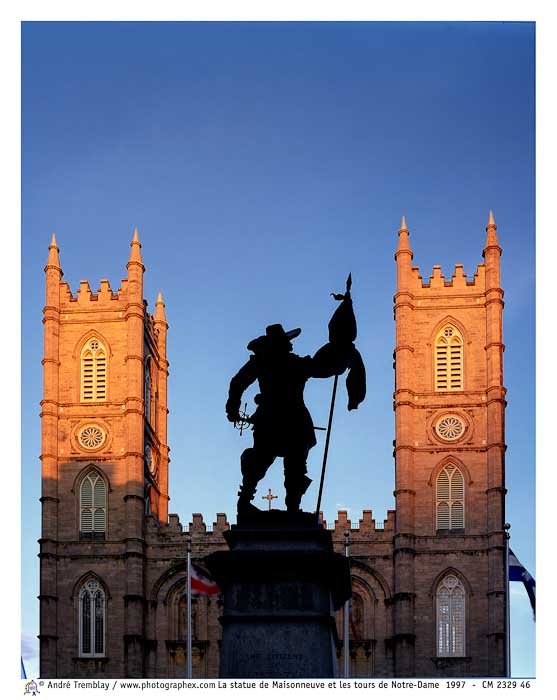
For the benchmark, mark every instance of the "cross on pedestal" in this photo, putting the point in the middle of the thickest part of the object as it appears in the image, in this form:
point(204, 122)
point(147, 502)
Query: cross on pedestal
point(269, 497)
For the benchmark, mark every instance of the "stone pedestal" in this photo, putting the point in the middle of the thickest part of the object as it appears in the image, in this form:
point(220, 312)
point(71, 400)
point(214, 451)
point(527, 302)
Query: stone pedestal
point(281, 582)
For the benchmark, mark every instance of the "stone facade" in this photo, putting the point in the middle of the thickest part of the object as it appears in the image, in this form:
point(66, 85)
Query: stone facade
point(136, 555)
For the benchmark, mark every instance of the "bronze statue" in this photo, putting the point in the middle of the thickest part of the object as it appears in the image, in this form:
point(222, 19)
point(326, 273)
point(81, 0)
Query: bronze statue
point(282, 425)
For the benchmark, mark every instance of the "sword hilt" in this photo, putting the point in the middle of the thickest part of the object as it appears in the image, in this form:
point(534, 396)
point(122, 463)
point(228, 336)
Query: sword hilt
point(245, 420)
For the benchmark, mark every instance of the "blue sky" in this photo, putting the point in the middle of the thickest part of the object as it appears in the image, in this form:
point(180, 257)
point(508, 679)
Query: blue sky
point(261, 162)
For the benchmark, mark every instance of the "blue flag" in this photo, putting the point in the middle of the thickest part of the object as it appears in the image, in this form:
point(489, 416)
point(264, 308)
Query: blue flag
point(517, 572)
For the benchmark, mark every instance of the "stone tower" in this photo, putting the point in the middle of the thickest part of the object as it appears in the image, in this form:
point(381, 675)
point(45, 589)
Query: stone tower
point(104, 467)
point(449, 401)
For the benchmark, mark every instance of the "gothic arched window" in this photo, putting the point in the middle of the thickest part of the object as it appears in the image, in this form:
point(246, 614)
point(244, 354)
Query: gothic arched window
point(450, 602)
point(449, 360)
point(92, 612)
point(147, 393)
point(450, 498)
point(93, 371)
point(92, 507)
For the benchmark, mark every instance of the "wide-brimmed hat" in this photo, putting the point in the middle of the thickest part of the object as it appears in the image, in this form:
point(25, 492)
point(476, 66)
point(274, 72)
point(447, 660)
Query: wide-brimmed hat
point(273, 333)
point(276, 332)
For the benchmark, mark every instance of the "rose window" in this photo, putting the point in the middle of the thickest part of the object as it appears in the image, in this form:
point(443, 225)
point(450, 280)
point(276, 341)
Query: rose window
point(450, 428)
point(91, 437)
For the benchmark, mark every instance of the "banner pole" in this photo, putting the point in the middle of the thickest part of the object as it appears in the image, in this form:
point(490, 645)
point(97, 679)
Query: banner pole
point(346, 620)
point(189, 672)
point(327, 445)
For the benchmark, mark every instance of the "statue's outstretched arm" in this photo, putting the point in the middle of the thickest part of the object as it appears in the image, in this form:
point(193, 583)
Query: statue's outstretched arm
point(334, 358)
point(331, 359)
point(239, 383)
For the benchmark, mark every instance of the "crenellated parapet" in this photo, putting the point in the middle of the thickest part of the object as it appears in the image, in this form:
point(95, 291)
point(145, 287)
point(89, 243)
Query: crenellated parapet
point(213, 534)
point(367, 525)
point(458, 282)
point(197, 524)
point(84, 296)
point(221, 524)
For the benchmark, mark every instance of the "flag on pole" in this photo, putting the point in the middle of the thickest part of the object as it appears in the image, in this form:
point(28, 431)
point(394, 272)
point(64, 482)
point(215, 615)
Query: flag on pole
point(340, 353)
point(334, 358)
point(201, 584)
point(517, 572)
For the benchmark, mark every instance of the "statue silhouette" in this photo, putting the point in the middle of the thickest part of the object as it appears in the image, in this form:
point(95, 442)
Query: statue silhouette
point(282, 425)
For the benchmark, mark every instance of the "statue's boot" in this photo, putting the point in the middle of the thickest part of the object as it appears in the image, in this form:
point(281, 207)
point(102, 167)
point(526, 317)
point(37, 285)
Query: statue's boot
point(245, 498)
point(294, 494)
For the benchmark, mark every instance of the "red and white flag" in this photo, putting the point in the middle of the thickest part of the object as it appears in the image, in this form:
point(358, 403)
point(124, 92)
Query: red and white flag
point(200, 584)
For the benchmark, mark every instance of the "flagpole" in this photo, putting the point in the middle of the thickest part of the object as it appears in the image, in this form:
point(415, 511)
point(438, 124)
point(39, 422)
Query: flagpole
point(327, 445)
point(188, 608)
point(507, 527)
point(347, 613)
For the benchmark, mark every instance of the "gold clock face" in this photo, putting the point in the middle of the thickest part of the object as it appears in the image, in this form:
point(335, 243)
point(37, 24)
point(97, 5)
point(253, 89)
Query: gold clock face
point(149, 460)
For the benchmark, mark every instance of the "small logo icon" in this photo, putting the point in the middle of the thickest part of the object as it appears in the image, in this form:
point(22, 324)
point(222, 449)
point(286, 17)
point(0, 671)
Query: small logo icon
point(31, 688)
